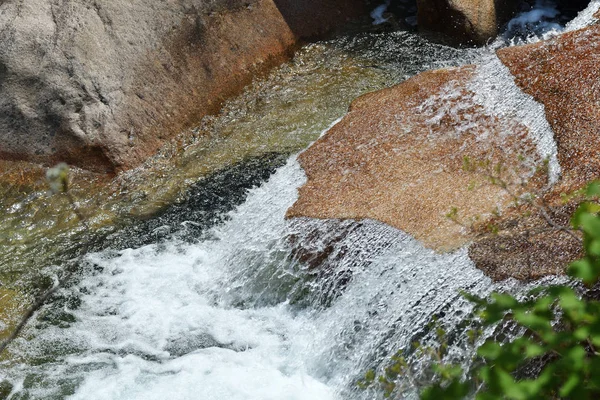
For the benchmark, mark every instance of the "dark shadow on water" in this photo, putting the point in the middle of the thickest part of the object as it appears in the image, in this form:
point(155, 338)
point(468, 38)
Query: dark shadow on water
point(309, 22)
point(536, 17)
point(206, 204)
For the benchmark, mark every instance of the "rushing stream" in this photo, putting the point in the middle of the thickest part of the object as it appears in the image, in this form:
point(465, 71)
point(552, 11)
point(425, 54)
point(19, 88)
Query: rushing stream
point(216, 319)
point(227, 304)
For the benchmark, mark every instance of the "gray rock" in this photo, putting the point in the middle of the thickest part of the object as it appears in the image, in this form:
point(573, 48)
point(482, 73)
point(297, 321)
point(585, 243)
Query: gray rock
point(103, 84)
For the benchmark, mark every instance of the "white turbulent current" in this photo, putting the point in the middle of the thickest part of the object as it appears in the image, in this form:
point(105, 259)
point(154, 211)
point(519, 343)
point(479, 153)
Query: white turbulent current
point(585, 17)
point(496, 90)
point(544, 21)
point(189, 321)
point(537, 21)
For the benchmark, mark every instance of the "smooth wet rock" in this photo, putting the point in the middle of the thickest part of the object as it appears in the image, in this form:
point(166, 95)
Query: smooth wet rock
point(399, 157)
point(103, 85)
point(465, 21)
point(563, 74)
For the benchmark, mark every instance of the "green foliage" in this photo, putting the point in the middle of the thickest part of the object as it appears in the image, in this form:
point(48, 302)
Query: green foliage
point(560, 334)
point(398, 375)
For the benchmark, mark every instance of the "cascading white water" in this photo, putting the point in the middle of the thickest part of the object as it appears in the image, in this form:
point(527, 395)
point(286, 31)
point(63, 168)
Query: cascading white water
point(191, 321)
point(585, 17)
point(225, 318)
point(496, 90)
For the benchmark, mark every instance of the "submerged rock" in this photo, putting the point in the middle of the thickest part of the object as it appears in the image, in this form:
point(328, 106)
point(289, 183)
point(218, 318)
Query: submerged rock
point(465, 21)
point(403, 156)
point(103, 85)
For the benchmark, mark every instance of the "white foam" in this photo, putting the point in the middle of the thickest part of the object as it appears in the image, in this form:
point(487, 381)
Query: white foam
point(536, 23)
point(496, 90)
point(191, 321)
point(585, 17)
point(377, 13)
point(159, 297)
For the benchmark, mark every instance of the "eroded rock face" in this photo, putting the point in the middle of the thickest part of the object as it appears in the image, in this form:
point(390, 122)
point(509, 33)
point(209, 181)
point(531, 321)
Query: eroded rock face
point(102, 85)
point(465, 21)
point(399, 157)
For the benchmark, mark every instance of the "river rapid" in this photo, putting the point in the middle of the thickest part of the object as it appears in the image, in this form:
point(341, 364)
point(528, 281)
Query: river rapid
point(212, 299)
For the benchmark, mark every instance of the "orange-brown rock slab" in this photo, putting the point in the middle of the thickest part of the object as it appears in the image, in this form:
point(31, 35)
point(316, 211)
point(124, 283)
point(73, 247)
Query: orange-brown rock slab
point(398, 157)
point(564, 75)
point(525, 246)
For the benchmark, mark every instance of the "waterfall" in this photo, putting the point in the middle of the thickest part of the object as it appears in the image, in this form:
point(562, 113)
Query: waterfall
point(237, 315)
point(175, 320)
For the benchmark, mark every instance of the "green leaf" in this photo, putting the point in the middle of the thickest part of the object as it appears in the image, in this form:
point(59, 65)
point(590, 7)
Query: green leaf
point(490, 350)
point(593, 189)
point(507, 383)
point(543, 304)
point(595, 338)
point(584, 211)
point(572, 305)
point(584, 270)
point(581, 333)
point(575, 358)
point(590, 224)
point(533, 321)
point(534, 350)
point(572, 382)
point(505, 301)
point(58, 178)
point(594, 247)
point(455, 390)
